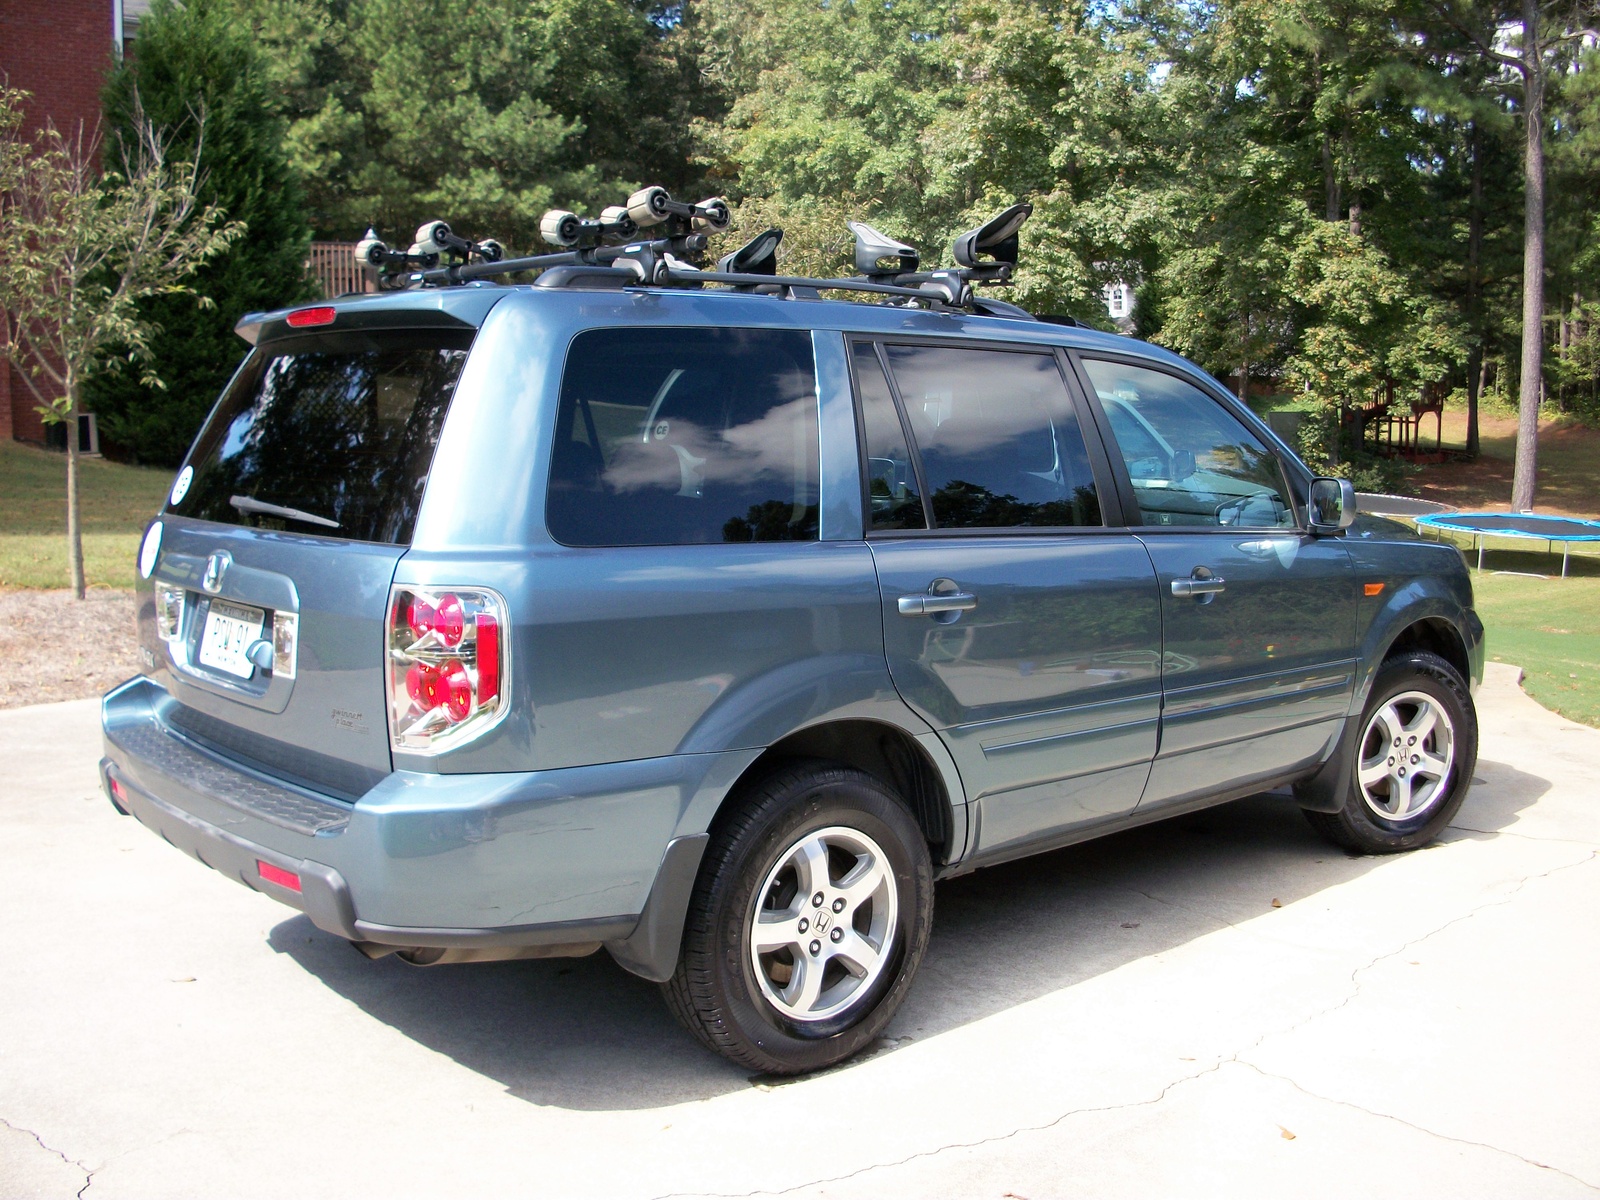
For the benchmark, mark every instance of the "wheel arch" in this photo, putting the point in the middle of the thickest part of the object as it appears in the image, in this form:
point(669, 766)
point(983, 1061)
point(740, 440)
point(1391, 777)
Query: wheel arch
point(1434, 635)
point(891, 755)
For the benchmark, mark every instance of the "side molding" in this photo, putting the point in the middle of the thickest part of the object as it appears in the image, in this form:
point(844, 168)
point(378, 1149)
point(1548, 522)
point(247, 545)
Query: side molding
point(651, 950)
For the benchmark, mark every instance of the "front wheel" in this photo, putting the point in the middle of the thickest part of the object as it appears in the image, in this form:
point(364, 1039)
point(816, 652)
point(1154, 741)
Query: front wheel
point(1413, 762)
point(808, 921)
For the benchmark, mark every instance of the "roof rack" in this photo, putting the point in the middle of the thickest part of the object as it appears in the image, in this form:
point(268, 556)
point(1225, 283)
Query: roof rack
point(609, 251)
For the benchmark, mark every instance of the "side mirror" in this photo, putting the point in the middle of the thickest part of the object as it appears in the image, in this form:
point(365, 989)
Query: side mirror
point(1182, 465)
point(1332, 505)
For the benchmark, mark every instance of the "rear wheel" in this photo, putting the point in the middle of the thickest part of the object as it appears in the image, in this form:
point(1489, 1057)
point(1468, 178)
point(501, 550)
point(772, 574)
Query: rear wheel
point(1413, 762)
point(808, 921)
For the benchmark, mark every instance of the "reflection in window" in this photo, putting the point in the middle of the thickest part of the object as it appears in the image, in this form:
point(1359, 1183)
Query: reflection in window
point(1190, 460)
point(342, 426)
point(999, 441)
point(678, 436)
point(893, 498)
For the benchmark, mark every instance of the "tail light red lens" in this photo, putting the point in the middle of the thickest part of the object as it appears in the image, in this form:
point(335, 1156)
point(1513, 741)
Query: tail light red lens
point(447, 666)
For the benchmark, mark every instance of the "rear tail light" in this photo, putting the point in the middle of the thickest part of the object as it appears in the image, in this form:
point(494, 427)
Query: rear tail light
point(447, 666)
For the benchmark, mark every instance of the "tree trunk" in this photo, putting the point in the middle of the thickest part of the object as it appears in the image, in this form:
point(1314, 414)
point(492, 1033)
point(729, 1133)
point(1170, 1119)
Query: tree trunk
point(1330, 179)
point(1475, 363)
point(74, 525)
point(1522, 484)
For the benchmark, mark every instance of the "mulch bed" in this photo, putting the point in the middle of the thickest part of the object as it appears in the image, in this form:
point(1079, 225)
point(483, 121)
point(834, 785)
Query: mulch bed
point(53, 647)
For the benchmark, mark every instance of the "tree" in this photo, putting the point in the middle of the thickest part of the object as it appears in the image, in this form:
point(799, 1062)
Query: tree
point(484, 113)
point(191, 58)
point(79, 252)
point(1548, 33)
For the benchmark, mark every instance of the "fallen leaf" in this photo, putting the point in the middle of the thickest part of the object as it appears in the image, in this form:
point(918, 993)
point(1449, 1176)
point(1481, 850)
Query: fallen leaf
point(1130, 924)
point(1285, 1134)
point(1276, 903)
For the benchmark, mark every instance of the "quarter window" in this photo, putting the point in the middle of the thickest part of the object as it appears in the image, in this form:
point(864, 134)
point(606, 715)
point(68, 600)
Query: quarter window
point(682, 436)
point(893, 498)
point(999, 441)
point(1191, 461)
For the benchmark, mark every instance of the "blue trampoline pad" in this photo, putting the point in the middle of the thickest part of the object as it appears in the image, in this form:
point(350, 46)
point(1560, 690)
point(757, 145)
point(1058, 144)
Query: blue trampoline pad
point(1518, 525)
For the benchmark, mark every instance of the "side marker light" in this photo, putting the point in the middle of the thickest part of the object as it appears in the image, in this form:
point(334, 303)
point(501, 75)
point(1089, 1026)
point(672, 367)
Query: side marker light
point(1372, 589)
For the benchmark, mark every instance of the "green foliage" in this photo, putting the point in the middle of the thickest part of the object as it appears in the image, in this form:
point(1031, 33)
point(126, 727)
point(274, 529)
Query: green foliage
point(196, 65)
point(483, 112)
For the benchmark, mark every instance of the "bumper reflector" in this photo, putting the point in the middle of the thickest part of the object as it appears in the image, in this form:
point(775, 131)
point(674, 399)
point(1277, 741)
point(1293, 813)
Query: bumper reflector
point(277, 875)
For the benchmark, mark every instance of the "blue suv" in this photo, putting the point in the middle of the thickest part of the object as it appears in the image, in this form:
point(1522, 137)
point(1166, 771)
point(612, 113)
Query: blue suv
point(690, 615)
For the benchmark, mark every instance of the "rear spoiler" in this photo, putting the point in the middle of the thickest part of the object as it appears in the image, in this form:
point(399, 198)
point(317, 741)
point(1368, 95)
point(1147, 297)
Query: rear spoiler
point(457, 308)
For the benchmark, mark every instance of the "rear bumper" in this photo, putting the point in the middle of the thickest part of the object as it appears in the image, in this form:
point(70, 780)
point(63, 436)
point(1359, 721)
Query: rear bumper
point(566, 858)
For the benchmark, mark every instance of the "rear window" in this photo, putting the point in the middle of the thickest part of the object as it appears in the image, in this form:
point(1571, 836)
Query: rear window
point(685, 436)
point(331, 434)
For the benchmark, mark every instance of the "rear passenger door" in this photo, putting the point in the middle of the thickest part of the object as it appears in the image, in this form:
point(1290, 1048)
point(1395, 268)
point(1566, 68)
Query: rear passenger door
point(1017, 623)
point(1259, 616)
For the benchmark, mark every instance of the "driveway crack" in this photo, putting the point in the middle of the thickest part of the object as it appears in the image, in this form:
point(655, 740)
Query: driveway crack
point(1433, 1133)
point(984, 1141)
point(88, 1175)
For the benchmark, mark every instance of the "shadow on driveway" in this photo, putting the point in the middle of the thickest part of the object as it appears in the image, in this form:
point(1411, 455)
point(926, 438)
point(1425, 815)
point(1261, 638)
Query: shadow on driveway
point(584, 1034)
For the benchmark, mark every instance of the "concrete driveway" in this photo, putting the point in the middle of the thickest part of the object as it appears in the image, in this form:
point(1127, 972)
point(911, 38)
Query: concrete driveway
point(1217, 1005)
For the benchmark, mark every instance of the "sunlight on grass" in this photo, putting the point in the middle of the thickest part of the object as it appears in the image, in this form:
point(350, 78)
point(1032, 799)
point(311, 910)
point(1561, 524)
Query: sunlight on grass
point(117, 502)
point(1547, 627)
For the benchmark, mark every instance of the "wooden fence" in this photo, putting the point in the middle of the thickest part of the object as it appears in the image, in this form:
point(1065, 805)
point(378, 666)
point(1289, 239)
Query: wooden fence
point(334, 264)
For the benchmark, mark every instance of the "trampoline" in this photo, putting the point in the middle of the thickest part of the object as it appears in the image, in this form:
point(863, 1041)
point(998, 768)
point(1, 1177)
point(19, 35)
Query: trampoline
point(1551, 530)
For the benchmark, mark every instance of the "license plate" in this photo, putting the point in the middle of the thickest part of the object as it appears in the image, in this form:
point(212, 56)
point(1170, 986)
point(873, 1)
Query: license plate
point(231, 629)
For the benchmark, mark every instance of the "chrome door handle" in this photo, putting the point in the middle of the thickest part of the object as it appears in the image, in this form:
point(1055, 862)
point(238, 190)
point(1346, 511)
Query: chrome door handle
point(923, 603)
point(1199, 587)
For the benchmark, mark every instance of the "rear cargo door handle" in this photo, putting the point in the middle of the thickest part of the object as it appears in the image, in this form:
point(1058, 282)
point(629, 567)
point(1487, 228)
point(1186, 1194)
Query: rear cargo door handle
point(925, 604)
point(1199, 587)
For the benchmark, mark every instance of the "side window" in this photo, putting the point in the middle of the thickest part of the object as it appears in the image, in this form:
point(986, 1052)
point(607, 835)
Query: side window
point(894, 501)
point(1191, 461)
point(998, 438)
point(682, 436)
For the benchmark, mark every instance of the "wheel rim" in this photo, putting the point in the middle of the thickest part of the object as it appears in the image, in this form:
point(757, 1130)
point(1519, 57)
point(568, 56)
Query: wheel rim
point(1407, 754)
point(824, 923)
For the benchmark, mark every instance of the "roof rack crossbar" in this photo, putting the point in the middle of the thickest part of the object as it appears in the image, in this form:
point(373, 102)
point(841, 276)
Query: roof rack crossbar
point(791, 282)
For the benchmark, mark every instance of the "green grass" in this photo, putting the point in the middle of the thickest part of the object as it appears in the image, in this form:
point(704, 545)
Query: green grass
point(116, 502)
point(1548, 628)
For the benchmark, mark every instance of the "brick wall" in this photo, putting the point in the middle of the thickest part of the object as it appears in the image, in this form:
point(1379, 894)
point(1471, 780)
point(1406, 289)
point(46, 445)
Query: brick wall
point(59, 50)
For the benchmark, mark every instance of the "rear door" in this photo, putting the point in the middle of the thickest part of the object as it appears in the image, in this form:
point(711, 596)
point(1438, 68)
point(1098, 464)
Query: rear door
point(1017, 623)
point(285, 526)
point(1259, 616)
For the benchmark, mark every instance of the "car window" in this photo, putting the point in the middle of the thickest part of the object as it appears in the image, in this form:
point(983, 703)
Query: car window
point(682, 436)
point(1191, 461)
point(999, 441)
point(331, 434)
point(893, 498)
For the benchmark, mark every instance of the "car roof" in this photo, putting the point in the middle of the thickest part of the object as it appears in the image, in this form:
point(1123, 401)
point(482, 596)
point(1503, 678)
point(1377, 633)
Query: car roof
point(469, 304)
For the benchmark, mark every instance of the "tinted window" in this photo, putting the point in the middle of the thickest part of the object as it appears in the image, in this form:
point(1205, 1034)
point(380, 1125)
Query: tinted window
point(1191, 461)
point(893, 499)
point(340, 427)
point(999, 441)
point(678, 436)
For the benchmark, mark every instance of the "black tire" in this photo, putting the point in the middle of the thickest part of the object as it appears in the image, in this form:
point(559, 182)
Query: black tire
point(1362, 825)
point(716, 991)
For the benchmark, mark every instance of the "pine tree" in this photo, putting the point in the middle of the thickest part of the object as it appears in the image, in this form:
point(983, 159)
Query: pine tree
point(192, 61)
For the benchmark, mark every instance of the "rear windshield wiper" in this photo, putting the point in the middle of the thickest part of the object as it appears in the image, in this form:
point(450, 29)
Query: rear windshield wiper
point(249, 504)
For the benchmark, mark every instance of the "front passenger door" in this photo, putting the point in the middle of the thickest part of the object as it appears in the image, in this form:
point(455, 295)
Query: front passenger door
point(1259, 617)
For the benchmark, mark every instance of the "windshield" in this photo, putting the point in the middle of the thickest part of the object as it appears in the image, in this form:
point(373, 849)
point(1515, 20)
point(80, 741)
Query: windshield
point(332, 435)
